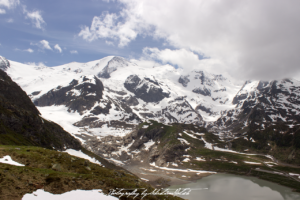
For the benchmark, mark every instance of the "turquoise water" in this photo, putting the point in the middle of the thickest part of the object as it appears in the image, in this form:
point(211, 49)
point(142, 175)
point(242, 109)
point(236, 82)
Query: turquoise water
point(232, 187)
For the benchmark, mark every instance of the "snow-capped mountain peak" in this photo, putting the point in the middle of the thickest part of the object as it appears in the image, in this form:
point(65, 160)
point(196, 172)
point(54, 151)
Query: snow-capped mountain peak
point(115, 63)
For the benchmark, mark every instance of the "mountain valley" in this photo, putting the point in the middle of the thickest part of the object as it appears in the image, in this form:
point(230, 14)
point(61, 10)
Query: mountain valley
point(162, 121)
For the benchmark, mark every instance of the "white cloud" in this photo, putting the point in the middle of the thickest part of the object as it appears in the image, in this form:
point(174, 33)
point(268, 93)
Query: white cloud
point(110, 43)
point(35, 17)
point(74, 52)
point(9, 4)
point(57, 47)
point(108, 26)
point(253, 38)
point(43, 44)
point(29, 50)
point(180, 57)
point(184, 59)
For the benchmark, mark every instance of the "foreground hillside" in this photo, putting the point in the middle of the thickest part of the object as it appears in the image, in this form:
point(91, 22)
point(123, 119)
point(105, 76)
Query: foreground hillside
point(21, 123)
point(58, 172)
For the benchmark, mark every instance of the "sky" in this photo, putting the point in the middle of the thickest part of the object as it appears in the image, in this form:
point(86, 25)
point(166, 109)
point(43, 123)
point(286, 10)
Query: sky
point(249, 39)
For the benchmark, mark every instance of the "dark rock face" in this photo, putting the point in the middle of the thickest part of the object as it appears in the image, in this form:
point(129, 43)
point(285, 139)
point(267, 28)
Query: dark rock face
point(200, 75)
point(20, 123)
point(221, 90)
point(99, 110)
point(239, 98)
point(203, 108)
point(262, 84)
point(79, 95)
point(184, 80)
point(4, 63)
point(147, 115)
point(147, 89)
point(131, 101)
point(204, 91)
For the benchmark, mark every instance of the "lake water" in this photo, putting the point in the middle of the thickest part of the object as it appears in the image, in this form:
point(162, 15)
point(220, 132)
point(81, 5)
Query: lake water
point(232, 187)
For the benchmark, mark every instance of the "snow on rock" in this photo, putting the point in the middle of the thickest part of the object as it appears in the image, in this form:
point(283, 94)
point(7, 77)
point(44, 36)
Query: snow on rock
point(293, 174)
point(200, 159)
point(192, 136)
point(208, 145)
point(150, 170)
point(184, 170)
point(80, 154)
point(149, 144)
point(252, 163)
point(7, 160)
point(117, 162)
point(183, 141)
point(112, 66)
point(73, 195)
point(123, 148)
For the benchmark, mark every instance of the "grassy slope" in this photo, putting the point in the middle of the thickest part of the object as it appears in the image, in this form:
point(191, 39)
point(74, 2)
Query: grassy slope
point(72, 173)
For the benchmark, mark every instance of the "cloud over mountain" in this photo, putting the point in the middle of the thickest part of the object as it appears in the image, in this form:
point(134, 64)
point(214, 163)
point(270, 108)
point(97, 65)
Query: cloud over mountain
point(254, 39)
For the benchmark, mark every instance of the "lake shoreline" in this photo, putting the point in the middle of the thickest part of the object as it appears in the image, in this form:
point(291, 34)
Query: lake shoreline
point(228, 186)
point(160, 178)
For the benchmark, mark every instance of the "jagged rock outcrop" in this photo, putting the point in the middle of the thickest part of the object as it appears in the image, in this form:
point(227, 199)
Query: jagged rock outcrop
point(184, 80)
point(204, 91)
point(146, 89)
point(4, 63)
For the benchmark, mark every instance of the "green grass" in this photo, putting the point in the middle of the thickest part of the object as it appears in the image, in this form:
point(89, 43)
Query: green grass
point(74, 173)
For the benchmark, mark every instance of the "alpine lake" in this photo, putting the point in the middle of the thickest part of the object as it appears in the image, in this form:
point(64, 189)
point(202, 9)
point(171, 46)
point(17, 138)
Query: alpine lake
point(229, 187)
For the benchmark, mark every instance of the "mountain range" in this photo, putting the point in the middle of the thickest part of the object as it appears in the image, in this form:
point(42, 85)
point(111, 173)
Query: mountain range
point(111, 96)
